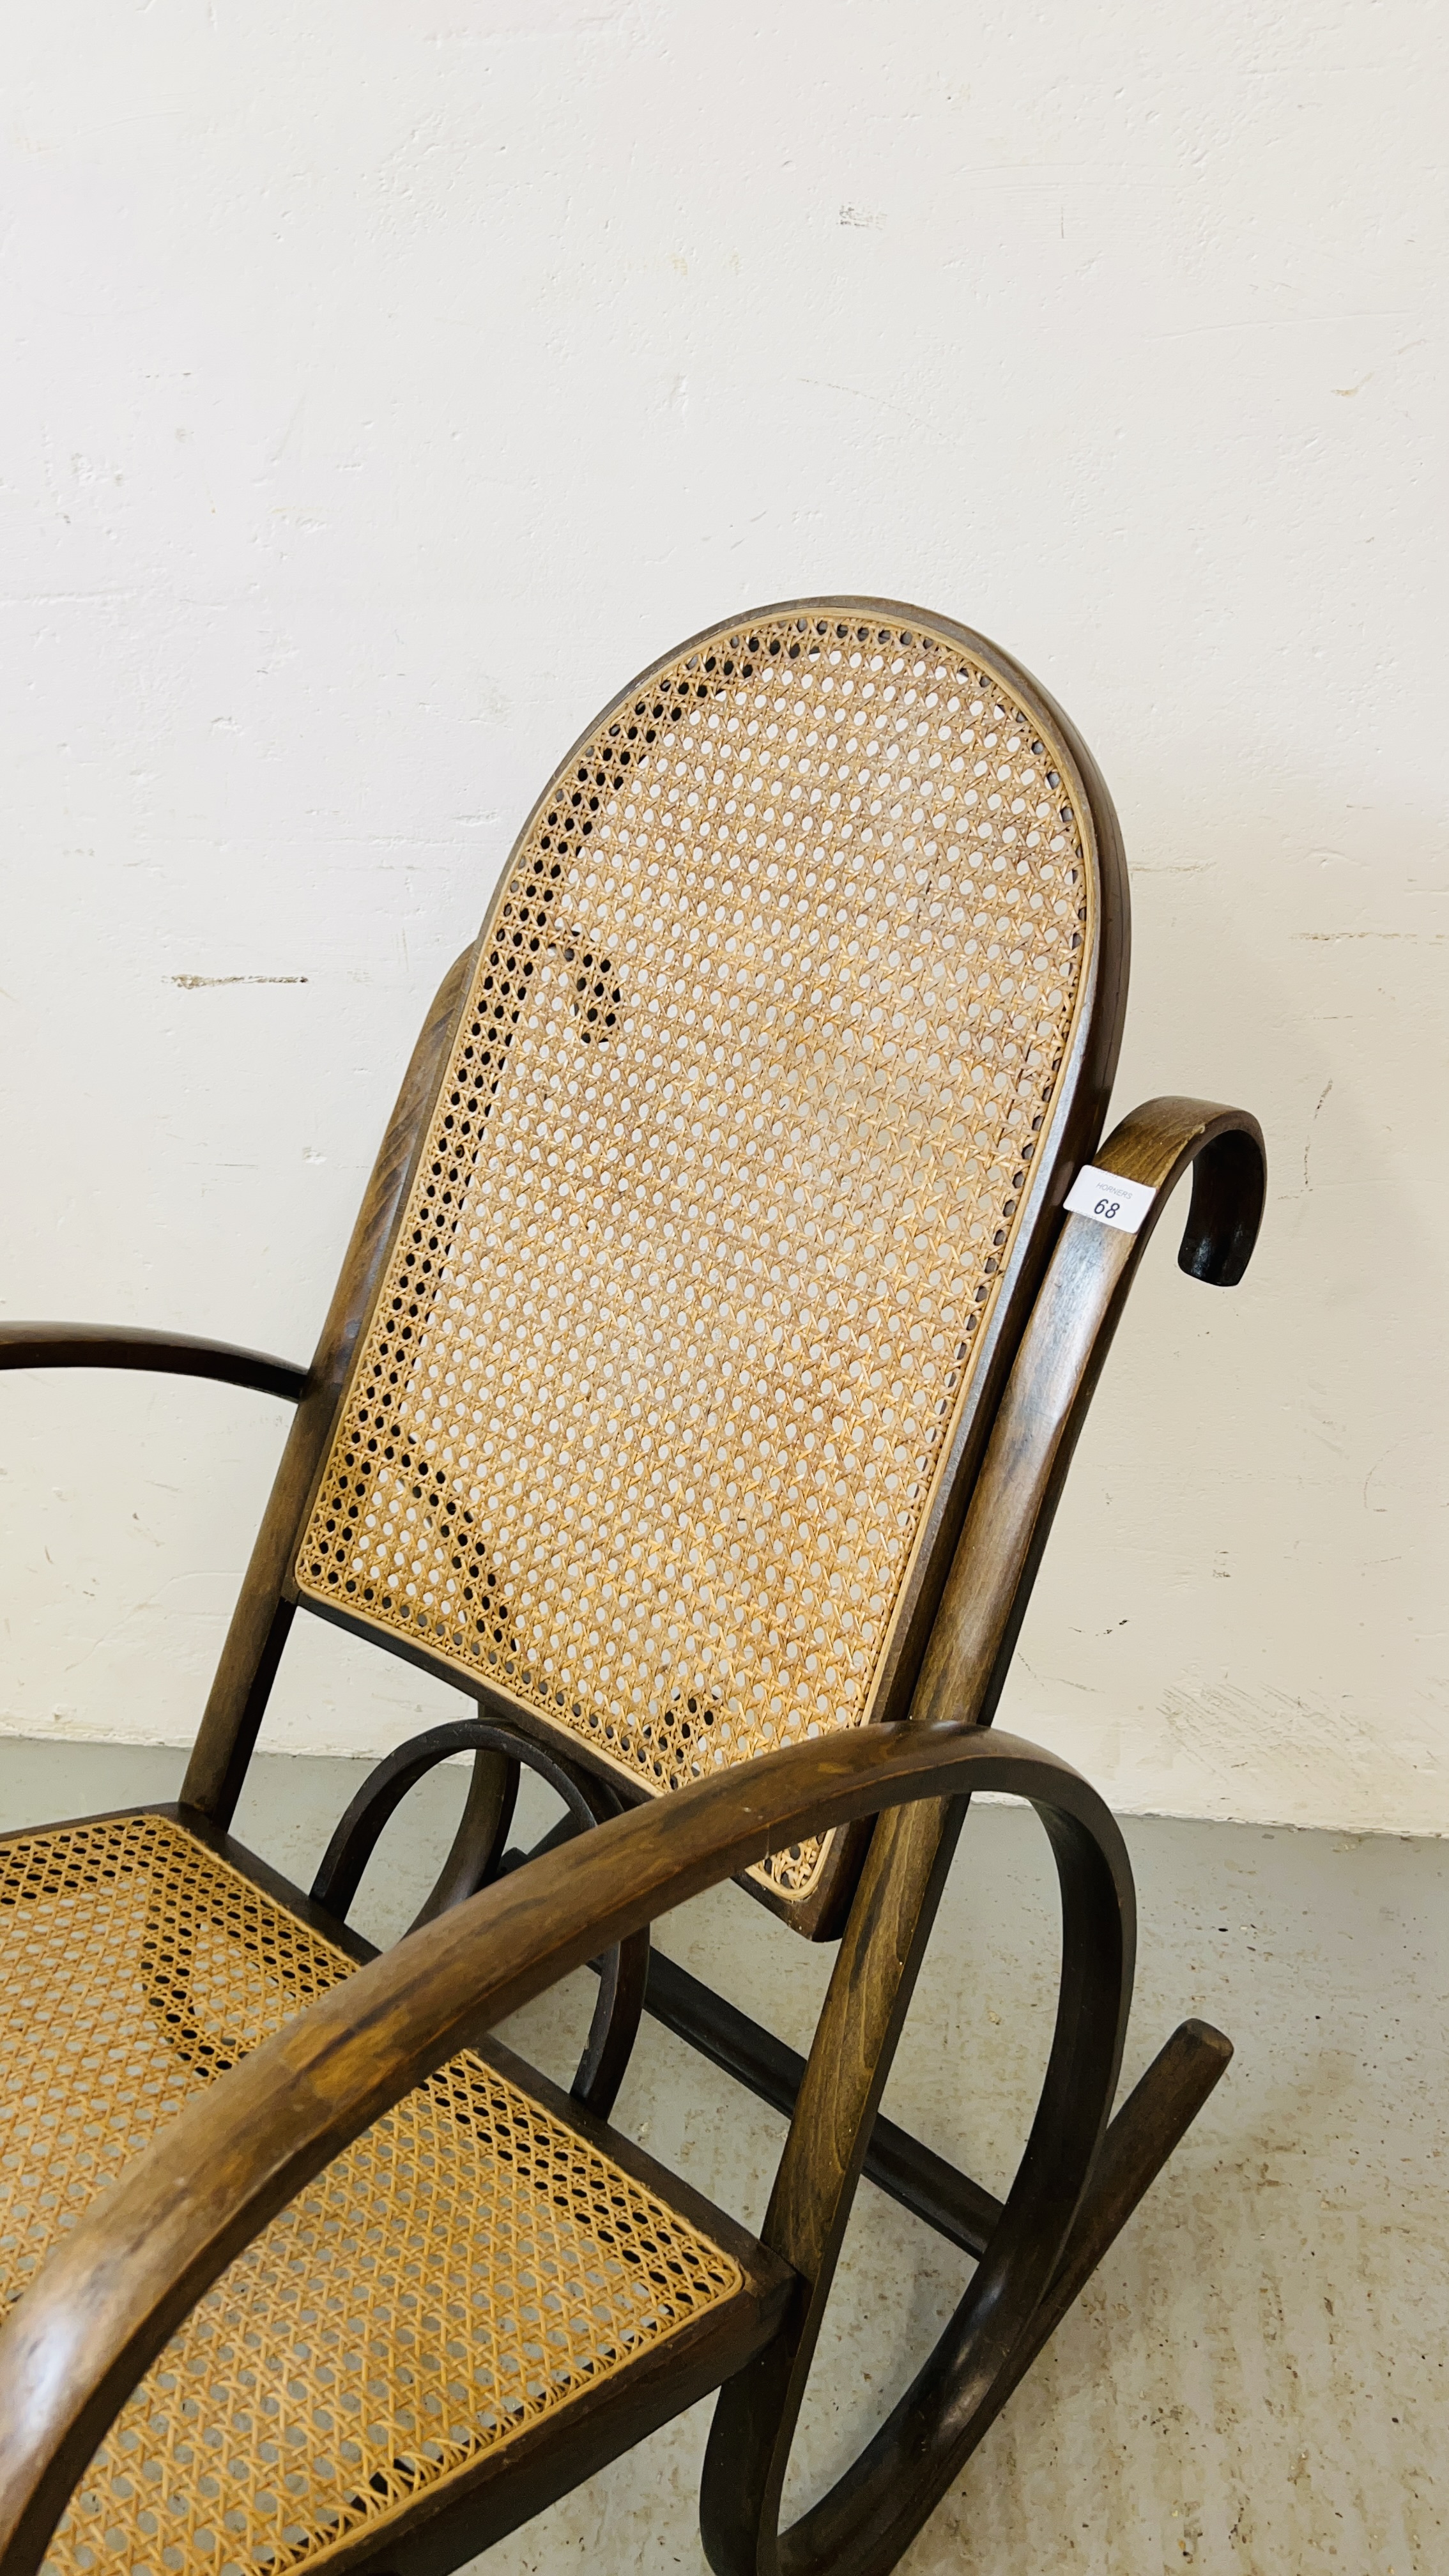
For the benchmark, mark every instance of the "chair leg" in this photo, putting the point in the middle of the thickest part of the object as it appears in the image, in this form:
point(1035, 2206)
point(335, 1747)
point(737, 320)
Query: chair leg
point(1033, 2263)
point(870, 2516)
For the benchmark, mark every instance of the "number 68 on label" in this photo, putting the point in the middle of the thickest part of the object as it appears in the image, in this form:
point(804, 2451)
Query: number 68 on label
point(1110, 1199)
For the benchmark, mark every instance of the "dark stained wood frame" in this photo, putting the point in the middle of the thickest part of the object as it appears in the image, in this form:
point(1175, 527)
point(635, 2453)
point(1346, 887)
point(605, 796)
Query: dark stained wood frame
point(117, 2285)
point(135, 2263)
point(471, 1864)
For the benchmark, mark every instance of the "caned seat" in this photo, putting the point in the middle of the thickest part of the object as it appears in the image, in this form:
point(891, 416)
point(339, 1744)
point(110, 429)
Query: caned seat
point(702, 1375)
point(466, 2270)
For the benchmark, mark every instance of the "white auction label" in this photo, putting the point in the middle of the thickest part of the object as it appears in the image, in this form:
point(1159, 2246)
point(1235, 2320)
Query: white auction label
point(1110, 1199)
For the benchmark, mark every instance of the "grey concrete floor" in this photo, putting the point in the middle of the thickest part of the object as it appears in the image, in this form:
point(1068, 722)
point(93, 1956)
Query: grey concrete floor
point(1254, 2385)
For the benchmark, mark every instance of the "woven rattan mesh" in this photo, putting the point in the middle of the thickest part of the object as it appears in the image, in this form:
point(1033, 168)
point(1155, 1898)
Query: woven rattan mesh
point(765, 1025)
point(465, 2268)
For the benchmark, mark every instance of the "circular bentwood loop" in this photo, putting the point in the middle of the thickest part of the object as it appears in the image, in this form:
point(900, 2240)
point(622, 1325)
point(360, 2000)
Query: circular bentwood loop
point(472, 1863)
point(872, 2513)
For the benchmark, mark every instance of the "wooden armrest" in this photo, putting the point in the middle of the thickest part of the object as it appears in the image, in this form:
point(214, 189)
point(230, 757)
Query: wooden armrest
point(124, 1346)
point(1224, 1150)
point(1055, 1372)
point(118, 2285)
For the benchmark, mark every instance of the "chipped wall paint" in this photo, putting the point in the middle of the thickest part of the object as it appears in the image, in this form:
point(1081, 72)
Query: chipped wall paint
point(389, 386)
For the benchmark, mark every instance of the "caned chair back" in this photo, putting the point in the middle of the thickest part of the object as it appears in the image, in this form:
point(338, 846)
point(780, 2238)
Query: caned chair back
point(792, 1008)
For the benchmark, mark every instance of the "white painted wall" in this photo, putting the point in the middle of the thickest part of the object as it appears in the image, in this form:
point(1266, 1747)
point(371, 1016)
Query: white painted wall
point(387, 384)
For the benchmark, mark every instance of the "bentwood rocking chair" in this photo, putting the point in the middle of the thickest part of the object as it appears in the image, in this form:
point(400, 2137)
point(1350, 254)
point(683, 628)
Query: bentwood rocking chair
point(696, 1395)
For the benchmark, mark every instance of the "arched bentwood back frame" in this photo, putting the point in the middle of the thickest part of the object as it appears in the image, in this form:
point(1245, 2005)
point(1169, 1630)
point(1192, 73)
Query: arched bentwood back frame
point(1037, 1010)
point(1048, 1291)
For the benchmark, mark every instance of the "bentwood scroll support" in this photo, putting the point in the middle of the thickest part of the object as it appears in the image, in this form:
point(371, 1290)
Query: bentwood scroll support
point(873, 2512)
